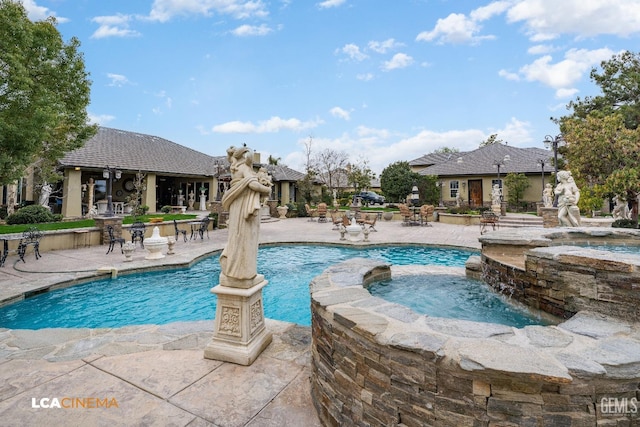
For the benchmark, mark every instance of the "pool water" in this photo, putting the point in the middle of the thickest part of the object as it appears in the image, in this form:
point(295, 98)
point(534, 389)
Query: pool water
point(184, 295)
point(454, 296)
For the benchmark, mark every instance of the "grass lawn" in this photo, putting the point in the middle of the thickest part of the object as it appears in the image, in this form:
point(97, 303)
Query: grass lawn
point(64, 225)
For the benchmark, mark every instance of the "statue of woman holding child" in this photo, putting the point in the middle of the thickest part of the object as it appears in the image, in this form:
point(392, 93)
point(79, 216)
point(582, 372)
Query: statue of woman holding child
point(242, 200)
point(568, 196)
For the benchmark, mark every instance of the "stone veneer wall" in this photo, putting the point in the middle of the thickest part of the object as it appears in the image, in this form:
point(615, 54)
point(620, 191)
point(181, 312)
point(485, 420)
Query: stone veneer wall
point(379, 363)
point(563, 280)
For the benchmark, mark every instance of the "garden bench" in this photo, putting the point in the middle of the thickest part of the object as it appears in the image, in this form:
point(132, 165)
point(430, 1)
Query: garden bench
point(30, 237)
point(489, 218)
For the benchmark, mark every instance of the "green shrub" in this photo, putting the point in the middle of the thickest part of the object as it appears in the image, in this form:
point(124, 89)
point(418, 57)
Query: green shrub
point(165, 209)
point(3, 212)
point(302, 211)
point(624, 223)
point(142, 210)
point(32, 214)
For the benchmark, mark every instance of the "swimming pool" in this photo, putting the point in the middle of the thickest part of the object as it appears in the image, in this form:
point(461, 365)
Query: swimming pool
point(184, 295)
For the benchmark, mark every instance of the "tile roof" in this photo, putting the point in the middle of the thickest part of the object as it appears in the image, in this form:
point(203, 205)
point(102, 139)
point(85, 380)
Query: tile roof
point(283, 173)
point(435, 158)
point(481, 161)
point(131, 151)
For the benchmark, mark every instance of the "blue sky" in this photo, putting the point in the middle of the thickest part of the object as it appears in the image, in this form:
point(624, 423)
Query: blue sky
point(381, 80)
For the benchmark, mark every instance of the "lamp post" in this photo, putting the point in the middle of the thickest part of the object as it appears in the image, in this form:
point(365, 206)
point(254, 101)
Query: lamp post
point(542, 162)
point(499, 163)
point(415, 196)
point(554, 142)
point(109, 174)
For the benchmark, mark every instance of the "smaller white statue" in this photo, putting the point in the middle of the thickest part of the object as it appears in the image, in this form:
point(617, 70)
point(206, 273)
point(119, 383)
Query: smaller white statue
point(192, 200)
point(568, 197)
point(45, 192)
point(621, 209)
point(547, 196)
point(496, 195)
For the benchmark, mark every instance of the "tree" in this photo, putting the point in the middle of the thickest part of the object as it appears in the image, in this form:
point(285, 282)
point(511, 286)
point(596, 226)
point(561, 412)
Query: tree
point(306, 184)
point(516, 184)
point(273, 160)
point(492, 139)
point(331, 166)
point(604, 155)
point(446, 150)
point(397, 179)
point(44, 92)
point(360, 175)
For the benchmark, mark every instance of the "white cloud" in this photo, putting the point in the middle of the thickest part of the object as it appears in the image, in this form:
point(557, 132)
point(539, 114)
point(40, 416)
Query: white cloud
point(113, 26)
point(384, 46)
point(251, 30)
point(117, 80)
point(164, 10)
point(341, 113)
point(40, 13)
point(330, 3)
point(545, 19)
point(509, 76)
point(365, 77)
point(101, 119)
point(274, 124)
point(541, 49)
point(515, 132)
point(458, 28)
point(353, 52)
point(564, 74)
point(399, 60)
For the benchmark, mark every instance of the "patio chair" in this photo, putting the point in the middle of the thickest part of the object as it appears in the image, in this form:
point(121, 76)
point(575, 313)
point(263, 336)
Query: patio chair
point(489, 218)
point(137, 233)
point(425, 211)
point(113, 240)
point(370, 220)
point(405, 212)
point(322, 212)
point(204, 226)
point(310, 212)
point(179, 230)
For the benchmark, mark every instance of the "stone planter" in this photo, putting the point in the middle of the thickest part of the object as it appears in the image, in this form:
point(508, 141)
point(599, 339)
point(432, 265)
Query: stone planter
point(282, 211)
point(387, 216)
point(128, 249)
point(155, 245)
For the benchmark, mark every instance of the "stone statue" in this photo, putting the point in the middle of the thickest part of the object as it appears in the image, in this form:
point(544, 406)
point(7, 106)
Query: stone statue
point(621, 209)
point(265, 179)
point(568, 197)
point(496, 195)
point(45, 192)
point(238, 260)
point(547, 196)
point(192, 200)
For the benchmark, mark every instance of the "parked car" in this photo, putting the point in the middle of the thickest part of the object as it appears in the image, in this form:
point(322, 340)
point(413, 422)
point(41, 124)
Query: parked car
point(371, 197)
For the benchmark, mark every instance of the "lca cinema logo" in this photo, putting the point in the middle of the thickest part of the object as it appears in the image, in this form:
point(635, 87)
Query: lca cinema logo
point(73, 402)
point(619, 406)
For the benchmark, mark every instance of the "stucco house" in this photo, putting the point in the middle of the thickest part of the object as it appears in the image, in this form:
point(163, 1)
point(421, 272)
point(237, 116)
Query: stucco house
point(471, 175)
point(171, 171)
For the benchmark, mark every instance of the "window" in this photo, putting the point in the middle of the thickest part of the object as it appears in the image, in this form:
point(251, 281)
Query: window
point(453, 189)
point(496, 181)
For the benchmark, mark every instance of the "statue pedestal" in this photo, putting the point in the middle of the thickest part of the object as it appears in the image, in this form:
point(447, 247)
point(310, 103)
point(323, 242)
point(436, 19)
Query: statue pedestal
point(239, 334)
point(496, 209)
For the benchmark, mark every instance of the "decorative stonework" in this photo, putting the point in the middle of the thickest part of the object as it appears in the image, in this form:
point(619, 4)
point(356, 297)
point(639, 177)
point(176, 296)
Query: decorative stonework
point(230, 322)
point(256, 315)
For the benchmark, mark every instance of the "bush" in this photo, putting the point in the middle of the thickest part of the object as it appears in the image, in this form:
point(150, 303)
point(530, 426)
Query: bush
point(32, 214)
point(3, 212)
point(624, 223)
point(302, 210)
point(165, 209)
point(142, 210)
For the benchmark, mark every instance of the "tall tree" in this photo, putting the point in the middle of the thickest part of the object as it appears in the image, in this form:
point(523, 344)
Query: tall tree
point(446, 150)
point(603, 136)
point(331, 166)
point(492, 139)
point(396, 181)
point(44, 92)
point(361, 175)
point(516, 184)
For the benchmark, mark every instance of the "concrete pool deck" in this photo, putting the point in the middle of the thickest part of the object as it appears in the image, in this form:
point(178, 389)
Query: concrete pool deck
point(156, 375)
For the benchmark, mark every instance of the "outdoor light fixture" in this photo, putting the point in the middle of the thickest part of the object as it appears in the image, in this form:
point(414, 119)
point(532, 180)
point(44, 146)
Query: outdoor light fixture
point(542, 162)
point(551, 142)
point(499, 163)
point(109, 174)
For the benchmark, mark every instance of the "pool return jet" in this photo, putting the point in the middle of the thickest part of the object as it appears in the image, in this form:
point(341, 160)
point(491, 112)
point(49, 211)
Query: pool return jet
point(239, 333)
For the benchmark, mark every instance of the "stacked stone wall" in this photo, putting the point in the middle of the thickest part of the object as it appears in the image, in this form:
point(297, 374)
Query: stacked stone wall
point(377, 363)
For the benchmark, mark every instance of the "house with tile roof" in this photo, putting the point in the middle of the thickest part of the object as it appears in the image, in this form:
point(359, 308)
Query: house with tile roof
point(172, 172)
point(471, 175)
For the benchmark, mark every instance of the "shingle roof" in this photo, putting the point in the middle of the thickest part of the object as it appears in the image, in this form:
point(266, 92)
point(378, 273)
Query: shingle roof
point(481, 161)
point(435, 158)
point(131, 151)
point(284, 173)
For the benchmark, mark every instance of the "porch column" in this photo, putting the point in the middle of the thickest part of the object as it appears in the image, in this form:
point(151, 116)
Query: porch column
point(72, 192)
point(284, 193)
point(149, 195)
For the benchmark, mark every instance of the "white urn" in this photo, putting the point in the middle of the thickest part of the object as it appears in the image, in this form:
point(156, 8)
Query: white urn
point(155, 244)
